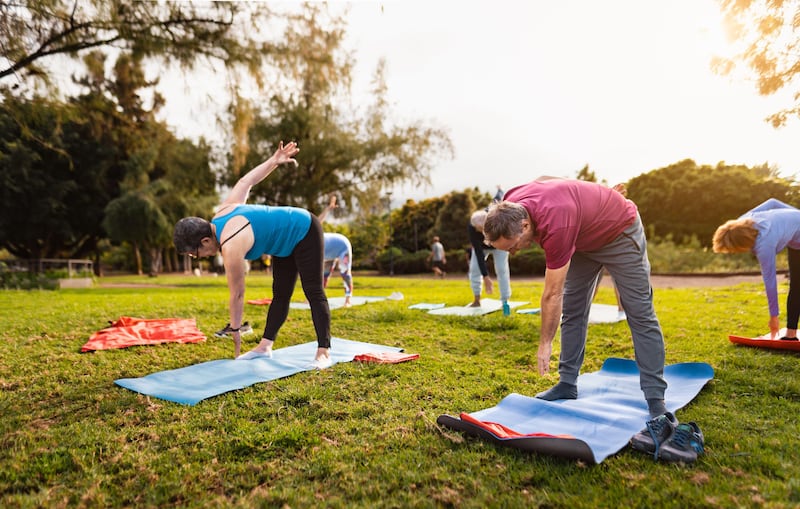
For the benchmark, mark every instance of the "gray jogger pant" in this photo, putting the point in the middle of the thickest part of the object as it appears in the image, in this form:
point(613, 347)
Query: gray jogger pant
point(625, 258)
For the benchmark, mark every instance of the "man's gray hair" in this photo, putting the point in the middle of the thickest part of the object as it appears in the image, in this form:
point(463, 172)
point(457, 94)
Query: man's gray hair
point(188, 233)
point(504, 219)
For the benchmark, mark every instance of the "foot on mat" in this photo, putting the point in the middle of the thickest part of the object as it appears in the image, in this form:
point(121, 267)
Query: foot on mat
point(252, 354)
point(321, 363)
point(244, 329)
point(656, 432)
point(685, 444)
point(786, 338)
point(561, 390)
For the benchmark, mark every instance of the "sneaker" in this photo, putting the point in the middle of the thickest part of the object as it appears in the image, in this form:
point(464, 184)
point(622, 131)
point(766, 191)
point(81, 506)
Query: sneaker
point(656, 432)
point(784, 338)
point(506, 308)
point(244, 329)
point(685, 445)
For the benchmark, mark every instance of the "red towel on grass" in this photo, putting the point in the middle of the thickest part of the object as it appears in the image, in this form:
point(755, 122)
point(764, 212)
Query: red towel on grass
point(260, 302)
point(129, 331)
point(386, 357)
point(501, 431)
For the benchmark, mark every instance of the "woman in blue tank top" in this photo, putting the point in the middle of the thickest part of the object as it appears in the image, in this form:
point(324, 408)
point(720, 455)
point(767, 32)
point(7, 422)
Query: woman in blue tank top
point(292, 236)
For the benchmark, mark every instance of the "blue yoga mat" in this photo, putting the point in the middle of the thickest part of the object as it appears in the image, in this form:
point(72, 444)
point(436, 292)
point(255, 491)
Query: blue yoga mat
point(609, 410)
point(192, 384)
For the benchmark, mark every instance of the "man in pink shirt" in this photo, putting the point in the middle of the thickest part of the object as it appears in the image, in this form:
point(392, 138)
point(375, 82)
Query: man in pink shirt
point(583, 227)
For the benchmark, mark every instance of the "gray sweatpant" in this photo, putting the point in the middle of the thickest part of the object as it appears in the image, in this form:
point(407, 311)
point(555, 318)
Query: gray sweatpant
point(625, 258)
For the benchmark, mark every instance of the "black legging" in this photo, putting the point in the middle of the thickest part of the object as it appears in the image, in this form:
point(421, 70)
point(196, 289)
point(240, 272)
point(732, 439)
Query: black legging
point(793, 299)
point(306, 260)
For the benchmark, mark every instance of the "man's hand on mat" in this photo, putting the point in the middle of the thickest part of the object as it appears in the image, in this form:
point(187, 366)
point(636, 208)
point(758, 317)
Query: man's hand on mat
point(774, 327)
point(543, 357)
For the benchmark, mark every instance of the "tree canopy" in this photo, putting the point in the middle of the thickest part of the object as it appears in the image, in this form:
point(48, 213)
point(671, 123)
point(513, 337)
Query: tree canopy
point(356, 153)
point(768, 47)
point(34, 31)
point(684, 200)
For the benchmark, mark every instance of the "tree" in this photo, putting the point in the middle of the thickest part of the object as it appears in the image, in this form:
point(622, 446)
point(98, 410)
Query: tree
point(766, 31)
point(684, 200)
point(56, 175)
point(344, 151)
point(34, 31)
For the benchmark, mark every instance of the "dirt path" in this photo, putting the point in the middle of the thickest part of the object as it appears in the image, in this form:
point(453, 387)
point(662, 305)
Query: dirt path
point(683, 281)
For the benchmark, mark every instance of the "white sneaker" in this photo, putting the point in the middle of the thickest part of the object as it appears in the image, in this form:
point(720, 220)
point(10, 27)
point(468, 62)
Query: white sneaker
point(252, 354)
point(322, 363)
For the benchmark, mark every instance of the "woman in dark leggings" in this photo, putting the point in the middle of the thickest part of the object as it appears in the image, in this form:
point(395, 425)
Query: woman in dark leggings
point(292, 236)
point(766, 231)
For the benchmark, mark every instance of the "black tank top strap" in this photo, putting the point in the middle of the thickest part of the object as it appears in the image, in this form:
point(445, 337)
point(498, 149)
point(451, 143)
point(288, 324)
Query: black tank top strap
point(235, 234)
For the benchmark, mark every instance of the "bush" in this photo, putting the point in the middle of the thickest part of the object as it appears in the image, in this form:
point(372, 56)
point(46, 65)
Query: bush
point(23, 280)
point(668, 257)
point(528, 262)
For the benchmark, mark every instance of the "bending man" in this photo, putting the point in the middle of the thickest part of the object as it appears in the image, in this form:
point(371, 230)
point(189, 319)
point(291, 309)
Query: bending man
point(583, 227)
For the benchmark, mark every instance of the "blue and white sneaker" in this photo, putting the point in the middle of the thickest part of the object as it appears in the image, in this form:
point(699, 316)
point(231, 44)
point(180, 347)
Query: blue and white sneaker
point(685, 444)
point(656, 432)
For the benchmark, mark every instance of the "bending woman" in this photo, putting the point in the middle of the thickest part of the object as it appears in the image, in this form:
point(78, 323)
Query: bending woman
point(292, 236)
point(765, 231)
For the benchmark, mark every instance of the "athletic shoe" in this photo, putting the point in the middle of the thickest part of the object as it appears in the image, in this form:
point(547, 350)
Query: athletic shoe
point(784, 338)
point(685, 444)
point(506, 308)
point(656, 432)
point(244, 329)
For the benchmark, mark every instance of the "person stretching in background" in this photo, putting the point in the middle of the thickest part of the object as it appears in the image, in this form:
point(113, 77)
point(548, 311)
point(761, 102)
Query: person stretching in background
point(765, 231)
point(338, 252)
point(478, 272)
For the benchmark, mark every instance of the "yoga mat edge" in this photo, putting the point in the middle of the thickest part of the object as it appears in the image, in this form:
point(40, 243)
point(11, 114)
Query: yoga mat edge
point(773, 344)
point(569, 448)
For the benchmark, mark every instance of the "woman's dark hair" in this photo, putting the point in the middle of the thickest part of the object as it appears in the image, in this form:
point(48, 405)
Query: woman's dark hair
point(188, 233)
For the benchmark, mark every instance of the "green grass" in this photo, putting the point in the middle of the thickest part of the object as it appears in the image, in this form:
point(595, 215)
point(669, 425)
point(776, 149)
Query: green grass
point(366, 435)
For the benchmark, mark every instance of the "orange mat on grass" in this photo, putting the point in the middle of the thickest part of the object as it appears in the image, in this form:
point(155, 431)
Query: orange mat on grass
point(764, 341)
point(502, 431)
point(385, 357)
point(128, 331)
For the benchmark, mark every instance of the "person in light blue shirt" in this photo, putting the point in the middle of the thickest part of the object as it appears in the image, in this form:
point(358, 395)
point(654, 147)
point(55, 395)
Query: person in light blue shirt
point(765, 231)
point(339, 253)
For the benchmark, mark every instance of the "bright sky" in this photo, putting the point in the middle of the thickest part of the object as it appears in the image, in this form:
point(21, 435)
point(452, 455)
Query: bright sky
point(534, 87)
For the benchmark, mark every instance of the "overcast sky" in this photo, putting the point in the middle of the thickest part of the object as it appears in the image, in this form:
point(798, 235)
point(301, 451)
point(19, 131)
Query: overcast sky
point(533, 87)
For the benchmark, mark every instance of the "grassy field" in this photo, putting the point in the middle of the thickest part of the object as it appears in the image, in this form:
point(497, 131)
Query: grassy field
point(366, 435)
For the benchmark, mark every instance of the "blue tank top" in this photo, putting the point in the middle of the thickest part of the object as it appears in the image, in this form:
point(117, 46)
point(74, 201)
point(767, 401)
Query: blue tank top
point(277, 230)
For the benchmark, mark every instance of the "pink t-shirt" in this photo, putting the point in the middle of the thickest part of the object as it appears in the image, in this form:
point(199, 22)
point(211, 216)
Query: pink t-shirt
point(572, 215)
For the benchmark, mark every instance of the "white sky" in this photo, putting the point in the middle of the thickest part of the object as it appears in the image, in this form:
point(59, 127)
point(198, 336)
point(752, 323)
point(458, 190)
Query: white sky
point(533, 87)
